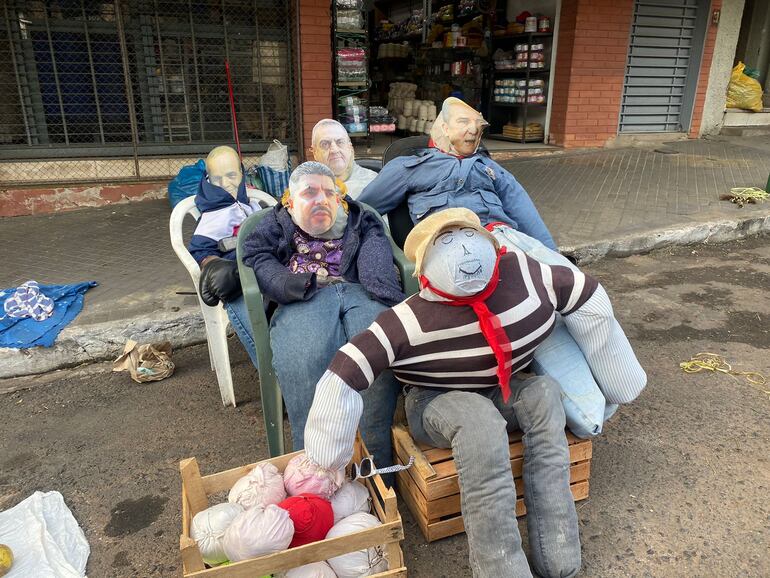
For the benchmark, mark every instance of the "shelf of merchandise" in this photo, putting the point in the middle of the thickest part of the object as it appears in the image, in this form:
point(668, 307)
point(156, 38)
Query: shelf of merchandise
point(527, 73)
point(345, 37)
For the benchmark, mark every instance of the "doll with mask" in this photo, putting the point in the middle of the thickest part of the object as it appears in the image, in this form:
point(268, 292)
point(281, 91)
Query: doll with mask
point(482, 312)
point(326, 264)
point(224, 205)
point(332, 147)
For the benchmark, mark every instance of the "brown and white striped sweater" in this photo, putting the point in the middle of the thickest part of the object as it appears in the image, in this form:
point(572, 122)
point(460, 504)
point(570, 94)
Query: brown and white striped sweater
point(430, 344)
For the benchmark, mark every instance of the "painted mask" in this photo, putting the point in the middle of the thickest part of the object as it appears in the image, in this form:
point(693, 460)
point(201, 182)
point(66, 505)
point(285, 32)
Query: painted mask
point(460, 261)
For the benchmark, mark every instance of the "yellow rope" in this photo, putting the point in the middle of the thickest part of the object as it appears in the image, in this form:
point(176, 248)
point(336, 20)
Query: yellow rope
point(714, 362)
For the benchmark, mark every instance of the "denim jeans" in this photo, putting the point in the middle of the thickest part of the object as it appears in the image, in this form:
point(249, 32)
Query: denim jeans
point(474, 424)
point(239, 319)
point(305, 336)
point(559, 356)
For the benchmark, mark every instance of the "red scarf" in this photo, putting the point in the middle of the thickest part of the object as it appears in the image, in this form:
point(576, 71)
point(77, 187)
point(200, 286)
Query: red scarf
point(490, 324)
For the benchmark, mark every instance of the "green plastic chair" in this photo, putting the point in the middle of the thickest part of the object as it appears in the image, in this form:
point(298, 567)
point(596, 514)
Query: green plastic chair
point(272, 402)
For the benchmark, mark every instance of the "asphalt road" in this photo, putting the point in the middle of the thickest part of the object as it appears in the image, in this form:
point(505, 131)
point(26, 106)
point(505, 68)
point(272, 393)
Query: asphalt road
point(679, 481)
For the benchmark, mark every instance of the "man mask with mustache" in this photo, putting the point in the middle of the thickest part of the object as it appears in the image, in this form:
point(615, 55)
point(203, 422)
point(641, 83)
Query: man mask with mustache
point(314, 206)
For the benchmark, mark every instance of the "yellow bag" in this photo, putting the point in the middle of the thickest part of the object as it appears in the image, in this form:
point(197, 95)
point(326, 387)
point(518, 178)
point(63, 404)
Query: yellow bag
point(744, 91)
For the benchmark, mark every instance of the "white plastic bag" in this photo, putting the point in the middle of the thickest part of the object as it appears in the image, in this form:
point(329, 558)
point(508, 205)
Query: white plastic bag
point(46, 540)
point(276, 157)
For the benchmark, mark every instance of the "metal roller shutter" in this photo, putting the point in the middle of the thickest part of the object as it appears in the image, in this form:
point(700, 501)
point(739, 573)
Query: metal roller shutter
point(662, 68)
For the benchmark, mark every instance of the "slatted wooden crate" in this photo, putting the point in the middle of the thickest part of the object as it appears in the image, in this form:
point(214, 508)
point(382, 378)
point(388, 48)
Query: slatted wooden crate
point(195, 492)
point(431, 488)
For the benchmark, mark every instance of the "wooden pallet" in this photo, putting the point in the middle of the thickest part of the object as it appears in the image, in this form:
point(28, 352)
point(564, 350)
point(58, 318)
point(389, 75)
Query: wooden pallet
point(431, 488)
point(195, 492)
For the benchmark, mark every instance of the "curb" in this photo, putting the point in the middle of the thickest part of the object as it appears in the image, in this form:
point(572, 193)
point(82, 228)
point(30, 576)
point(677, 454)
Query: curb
point(79, 345)
point(718, 231)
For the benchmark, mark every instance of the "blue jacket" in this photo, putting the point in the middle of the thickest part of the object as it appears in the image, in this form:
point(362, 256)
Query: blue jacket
point(433, 181)
point(366, 258)
point(221, 215)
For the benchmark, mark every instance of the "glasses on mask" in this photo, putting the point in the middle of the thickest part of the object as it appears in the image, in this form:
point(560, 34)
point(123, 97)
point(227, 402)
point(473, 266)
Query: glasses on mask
point(326, 144)
point(367, 469)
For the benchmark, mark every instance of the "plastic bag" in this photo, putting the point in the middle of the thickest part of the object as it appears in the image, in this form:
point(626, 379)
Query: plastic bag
point(276, 157)
point(744, 91)
point(46, 540)
point(185, 183)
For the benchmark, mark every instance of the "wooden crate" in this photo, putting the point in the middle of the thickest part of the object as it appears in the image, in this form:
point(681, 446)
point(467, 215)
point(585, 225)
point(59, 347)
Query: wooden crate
point(431, 488)
point(195, 492)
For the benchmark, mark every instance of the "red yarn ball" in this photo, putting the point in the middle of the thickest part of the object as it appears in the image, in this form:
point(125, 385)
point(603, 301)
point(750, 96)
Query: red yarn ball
point(313, 517)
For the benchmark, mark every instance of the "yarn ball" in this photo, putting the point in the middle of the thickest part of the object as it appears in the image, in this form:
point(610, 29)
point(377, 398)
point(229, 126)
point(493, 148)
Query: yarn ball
point(314, 570)
point(303, 476)
point(208, 530)
point(261, 486)
point(312, 517)
point(352, 497)
point(258, 531)
point(362, 562)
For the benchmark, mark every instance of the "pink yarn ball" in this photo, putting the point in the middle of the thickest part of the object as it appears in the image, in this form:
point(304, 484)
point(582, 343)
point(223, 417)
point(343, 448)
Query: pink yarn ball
point(303, 476)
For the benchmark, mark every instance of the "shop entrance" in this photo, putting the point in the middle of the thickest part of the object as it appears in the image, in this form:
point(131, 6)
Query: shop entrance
point(664, 58)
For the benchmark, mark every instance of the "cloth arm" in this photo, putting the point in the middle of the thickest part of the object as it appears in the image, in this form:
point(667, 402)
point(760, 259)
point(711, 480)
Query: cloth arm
point(388, 190)
point(520, 208)
point(606, 348)
point(330, 430)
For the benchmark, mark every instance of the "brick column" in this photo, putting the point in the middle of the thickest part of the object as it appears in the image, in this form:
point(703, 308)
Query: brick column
point(590, 67)
point(315, 64)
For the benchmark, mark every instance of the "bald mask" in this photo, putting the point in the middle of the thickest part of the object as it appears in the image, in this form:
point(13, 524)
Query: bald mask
point(223, 166)
point(460, 133)
point(460, 261)
point(313, 206)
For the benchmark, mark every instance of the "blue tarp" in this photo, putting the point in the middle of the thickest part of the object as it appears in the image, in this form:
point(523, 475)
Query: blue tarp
point(25, 333)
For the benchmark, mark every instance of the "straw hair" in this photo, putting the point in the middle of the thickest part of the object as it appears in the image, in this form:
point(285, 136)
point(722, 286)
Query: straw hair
point(423, 234)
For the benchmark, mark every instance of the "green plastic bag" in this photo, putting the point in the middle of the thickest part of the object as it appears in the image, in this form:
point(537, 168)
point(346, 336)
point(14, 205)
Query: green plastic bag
point(743, 91)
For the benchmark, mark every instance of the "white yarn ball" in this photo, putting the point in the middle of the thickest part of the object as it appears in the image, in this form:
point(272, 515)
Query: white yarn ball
point(258, 531)
point(362, 562)
point(314, 570)
point(261, 486)
point(352, 497)
point(208, 530)
point(302, 476)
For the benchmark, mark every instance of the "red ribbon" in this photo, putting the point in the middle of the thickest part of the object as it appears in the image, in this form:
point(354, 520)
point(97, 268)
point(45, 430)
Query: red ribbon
point(490, 324)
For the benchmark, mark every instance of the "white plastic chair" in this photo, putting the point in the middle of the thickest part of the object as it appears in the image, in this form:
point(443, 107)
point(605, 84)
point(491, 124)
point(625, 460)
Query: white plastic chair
point(215, 318)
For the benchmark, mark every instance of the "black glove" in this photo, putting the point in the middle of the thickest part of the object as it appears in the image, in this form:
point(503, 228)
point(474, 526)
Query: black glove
point(219, 281)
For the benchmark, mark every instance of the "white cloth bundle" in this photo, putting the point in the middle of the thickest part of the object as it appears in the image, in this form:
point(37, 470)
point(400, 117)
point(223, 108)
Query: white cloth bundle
point(258, 531)
point(352, 497)
point(362, 562)
point(261, 486)
point(303, 476)
point(208, 530)
point(314, 570)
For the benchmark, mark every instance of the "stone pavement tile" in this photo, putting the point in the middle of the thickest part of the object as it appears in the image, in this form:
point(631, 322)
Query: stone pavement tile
point(595, 195)
point(125, 248)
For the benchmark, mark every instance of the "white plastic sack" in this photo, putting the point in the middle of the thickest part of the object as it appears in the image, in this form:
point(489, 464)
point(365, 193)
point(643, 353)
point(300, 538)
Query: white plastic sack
point(208, 530)
point(261, 486)
point(258, 531)
point(46, 540)
point(276, 157)
point(314, 570)
point(362, 562)
point(352, 497)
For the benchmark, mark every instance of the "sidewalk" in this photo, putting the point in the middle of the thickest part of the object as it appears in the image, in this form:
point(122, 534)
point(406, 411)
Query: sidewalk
point(596, 203)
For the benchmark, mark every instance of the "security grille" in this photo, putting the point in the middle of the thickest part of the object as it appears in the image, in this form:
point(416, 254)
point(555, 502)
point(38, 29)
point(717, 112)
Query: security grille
point(664, 51)
point(134, 79)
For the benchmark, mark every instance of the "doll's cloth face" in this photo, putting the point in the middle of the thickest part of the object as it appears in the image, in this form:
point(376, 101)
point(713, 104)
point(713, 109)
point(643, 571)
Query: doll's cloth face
point(223, 166)
point(461, 129)
point(313, 206)
point(333, 148)
point(460, 261)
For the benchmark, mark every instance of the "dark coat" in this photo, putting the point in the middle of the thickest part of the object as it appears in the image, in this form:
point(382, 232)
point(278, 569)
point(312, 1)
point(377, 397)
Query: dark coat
point(366, 258)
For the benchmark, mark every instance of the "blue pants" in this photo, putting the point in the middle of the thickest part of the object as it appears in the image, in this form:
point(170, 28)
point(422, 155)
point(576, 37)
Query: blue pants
point(559, 356)
point(239, 319)
point(305, 336)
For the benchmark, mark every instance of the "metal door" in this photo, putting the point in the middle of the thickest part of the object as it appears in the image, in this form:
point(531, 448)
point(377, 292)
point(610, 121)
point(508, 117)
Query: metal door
point(664, 57)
